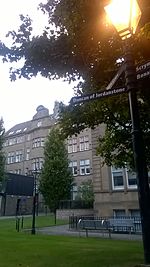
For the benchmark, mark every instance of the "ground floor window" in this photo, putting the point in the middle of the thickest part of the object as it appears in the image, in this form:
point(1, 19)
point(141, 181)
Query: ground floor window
point(119, 213)
point(123, 177)
point(135, 213)
point(74, 192)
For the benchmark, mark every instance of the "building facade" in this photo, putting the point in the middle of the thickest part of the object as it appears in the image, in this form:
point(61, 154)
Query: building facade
point(115, 190)
point(25, 141)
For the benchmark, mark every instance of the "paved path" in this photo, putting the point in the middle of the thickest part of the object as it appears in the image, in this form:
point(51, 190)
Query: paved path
point(64, 230)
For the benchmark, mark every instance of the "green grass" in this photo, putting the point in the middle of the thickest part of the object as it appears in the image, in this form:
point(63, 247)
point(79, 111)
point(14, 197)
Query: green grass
point(40, 221)
point(43, 221)
point(25, 250)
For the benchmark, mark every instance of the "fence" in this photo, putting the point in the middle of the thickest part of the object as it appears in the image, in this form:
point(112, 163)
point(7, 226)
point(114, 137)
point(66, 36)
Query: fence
point(73, 221)
point(75, 204)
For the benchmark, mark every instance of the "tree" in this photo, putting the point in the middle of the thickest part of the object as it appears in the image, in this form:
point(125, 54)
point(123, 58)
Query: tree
point(85, 191)
point(82, 45)
point(56, 178)
point(2, 157)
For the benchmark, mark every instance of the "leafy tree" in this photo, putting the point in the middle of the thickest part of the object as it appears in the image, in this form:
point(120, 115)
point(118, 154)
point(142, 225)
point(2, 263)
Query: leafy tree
point(2, 157)
point(85, 191)
point(83, 47)
point(56, 178)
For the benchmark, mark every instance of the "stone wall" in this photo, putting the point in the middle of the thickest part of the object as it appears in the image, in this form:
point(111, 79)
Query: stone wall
point(65, 213)
point(9, 205)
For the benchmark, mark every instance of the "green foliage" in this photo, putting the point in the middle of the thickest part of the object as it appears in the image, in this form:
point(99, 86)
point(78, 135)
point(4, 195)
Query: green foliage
point(83, 45)
point(2, 157)
point(56, 178)
point(85, 191)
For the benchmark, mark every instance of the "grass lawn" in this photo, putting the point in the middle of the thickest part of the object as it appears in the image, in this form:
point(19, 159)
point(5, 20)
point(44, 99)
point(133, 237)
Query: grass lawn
point(43, 221)
point(26, 250)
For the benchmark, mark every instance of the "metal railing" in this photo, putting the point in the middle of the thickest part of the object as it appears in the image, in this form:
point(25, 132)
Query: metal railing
point(75, 204)
point(122, 228)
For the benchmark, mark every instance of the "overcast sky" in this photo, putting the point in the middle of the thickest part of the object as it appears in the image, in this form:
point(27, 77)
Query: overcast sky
point(19, 99)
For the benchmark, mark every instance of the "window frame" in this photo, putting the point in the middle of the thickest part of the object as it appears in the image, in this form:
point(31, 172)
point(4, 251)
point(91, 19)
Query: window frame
point(84, 166)
point(113, 181)
point(127, 179)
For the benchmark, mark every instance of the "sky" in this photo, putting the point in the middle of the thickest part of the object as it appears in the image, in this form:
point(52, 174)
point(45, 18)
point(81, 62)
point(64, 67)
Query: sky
point(19, 99)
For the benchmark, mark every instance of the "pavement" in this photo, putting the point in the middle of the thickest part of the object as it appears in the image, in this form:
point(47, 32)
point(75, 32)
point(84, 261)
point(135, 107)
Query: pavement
point(65, 231)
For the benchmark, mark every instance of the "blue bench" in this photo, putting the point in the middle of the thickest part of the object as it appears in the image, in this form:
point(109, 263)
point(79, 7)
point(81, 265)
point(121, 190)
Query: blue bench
point(122, 224)
point(94, 225)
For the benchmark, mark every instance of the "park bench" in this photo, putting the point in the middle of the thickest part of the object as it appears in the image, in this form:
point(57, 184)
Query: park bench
point(122, 224)
point(94, 225)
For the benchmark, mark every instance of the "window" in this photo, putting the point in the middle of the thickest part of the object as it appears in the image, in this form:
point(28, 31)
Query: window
point(84, 143)
point(19, 156)
point(131, 179)
point(74, 192)
point(39, 124)
point(11, 132)
point(18, 171)
point(42, 141)
point(18, 131)
point(69, 145)
point(135, 213)
point(37, 142)
point(81, 143)
point(28, 137)
point(84, 167)
point(6, 143)
point(117, 178)
point(81, 146)
point(119, 213)
point(37, 163)
point(72, 145)
point(12, 141)
point(27, 154)
point(11, 157)
point(19, 139)
point(73, 167)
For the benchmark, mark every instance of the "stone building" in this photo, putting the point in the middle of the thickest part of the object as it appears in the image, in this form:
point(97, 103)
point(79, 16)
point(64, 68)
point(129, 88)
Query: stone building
point(24, 142)
point(115, 190)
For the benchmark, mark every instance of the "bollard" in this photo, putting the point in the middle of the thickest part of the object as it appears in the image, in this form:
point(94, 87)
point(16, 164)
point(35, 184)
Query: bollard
point(17, 224)
point(22, 222)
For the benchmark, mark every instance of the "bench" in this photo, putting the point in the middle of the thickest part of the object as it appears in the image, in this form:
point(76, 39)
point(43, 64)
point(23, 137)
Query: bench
point(89, 225)
point(122, 224)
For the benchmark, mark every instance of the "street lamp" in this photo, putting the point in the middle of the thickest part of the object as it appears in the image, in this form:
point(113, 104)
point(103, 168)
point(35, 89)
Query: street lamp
point(125, 16)
point(35, 200)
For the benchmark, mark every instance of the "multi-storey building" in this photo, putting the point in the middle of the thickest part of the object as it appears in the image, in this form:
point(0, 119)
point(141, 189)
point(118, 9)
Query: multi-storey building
point(115, 190)
point(24, 143)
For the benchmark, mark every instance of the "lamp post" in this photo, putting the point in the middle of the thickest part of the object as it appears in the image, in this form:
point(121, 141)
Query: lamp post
point(125, 15)
point(35, 196)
